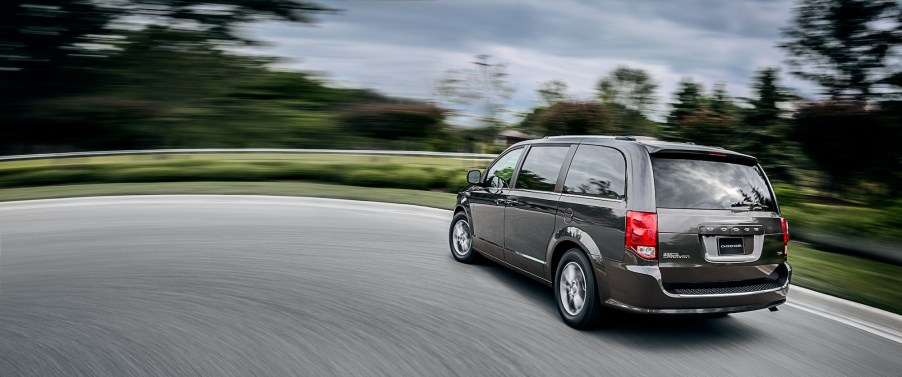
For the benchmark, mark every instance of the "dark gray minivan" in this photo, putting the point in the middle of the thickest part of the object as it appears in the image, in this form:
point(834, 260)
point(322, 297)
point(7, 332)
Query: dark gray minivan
point(642, 226)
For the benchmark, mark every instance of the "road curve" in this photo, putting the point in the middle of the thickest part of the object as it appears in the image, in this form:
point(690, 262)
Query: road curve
point(268, 286)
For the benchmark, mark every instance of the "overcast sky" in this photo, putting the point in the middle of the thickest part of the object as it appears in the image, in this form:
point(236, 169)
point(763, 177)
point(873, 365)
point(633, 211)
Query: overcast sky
point(402, 47)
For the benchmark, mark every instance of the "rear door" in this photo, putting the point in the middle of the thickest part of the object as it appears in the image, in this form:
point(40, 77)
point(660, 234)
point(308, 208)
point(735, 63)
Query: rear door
point(717, 219)
point(593, 199)
point(531, 207)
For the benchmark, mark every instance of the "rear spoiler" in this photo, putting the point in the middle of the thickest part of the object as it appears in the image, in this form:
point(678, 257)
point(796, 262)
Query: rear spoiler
point(706, 154)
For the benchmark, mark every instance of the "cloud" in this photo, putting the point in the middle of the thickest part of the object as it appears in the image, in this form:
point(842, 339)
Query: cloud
point(402, 47)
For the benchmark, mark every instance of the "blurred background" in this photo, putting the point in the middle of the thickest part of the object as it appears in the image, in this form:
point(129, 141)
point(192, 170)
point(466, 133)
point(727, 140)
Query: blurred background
point(813, 88)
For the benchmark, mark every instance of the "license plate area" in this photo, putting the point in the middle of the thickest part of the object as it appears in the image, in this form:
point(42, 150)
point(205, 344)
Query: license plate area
point(730, 246)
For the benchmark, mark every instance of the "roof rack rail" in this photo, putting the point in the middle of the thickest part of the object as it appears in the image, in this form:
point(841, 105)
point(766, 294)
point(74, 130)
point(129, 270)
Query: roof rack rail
point(627, 138)
point(569, 136)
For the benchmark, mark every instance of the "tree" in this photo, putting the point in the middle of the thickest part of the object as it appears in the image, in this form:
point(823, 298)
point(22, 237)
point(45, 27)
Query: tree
point(628, 94)
point(51, 50)
point(845, 46)
point(721, 102)
point(769, 95)
point(552, 91)
point(530, 122)
point(576, 118)
point(631, 88)
point(766, 128)
point(715, 122)
point(485, 87)
point(394, 120)
point(851, 143)
point(708, 127)
point(689, 100)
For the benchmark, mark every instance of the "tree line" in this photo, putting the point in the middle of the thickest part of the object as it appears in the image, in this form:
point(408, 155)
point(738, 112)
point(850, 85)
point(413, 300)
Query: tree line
point(139, 74)
point(846, 141)
point(132, 74)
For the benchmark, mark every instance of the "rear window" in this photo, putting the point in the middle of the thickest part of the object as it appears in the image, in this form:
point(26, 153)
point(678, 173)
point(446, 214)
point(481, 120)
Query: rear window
point(597, 171)
point(705, 184)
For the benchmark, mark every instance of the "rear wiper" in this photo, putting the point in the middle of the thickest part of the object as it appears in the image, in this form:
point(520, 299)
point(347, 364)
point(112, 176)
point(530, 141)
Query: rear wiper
point(748, 205)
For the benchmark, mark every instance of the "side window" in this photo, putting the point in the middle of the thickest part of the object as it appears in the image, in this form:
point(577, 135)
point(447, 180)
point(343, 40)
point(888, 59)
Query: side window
point(541, 168)
point(499, 175)
point(597, 171)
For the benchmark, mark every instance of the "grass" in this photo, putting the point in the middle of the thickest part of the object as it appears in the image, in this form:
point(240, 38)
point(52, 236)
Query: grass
point(442, 173)
point(308, 158)
point(868, 282)
point(433, 199)
point(882, 223)
point(876, 223)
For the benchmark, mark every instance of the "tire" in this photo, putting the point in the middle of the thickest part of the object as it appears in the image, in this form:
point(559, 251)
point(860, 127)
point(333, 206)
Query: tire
point(574, 281)
point(460, 239)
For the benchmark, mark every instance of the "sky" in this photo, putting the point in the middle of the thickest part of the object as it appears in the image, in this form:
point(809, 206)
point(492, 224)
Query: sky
point(403, 47)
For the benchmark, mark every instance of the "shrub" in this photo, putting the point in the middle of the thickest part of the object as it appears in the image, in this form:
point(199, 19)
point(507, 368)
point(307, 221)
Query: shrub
point(147, 174)
point(394, 121)
point(457, 182)
point(48, 176)
point(369, 177)
point(417, 179)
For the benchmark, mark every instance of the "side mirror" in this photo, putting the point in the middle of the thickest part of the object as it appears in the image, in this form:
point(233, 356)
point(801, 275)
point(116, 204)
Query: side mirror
point(474, 177)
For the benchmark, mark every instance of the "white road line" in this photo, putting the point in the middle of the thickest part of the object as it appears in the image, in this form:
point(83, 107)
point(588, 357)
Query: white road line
point(881, 331)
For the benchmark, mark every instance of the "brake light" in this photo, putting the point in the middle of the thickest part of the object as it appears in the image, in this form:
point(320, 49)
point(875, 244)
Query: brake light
point(718, 154)
point(785, 225)
point(642, 233)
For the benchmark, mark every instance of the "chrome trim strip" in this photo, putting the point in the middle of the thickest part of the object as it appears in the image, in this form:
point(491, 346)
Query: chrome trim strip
point(593, 197)
point(532, 191)
point(728, 309)
point(527, 257)
point(520, 270)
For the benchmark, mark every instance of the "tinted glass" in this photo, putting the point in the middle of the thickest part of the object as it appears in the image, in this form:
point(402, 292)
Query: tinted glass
point(597, 171)
point(701, 184)
point(541, 168)
point(499, 175)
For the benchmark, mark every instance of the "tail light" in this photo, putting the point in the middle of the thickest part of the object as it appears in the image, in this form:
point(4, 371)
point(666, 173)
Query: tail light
point(785, 225)
point(642, 234)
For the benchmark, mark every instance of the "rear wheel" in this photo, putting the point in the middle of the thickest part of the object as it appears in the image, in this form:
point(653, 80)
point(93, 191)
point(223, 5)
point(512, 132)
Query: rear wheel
point(575, 291)
point(460, 239)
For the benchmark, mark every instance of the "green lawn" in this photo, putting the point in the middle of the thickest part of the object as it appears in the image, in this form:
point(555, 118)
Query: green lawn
point(424, 173)
point(857, 279)
point(310, 158)
point(417, 197)
point(878, 222)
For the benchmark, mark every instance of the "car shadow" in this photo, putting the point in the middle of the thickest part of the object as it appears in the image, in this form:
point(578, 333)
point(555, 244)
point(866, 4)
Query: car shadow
point(644, 331)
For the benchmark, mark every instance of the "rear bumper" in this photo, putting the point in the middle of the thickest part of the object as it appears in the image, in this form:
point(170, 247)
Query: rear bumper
point(638, 288)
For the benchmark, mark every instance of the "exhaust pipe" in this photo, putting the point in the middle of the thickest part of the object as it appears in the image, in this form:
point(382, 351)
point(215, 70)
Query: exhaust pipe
point(773, 308)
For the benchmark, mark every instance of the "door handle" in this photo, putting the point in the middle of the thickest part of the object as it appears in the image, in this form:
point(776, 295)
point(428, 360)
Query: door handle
point(500, 201)
point(512, 202)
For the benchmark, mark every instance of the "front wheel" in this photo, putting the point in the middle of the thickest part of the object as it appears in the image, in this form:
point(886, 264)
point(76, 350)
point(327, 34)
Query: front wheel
point(460, 239)
point(575, 291)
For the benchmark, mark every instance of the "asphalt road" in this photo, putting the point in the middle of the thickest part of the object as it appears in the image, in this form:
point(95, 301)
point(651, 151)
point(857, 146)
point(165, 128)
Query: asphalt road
point(256, 286)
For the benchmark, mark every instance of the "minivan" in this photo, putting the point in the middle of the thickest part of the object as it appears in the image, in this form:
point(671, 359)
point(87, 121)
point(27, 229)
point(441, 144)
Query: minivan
point(635, 225)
